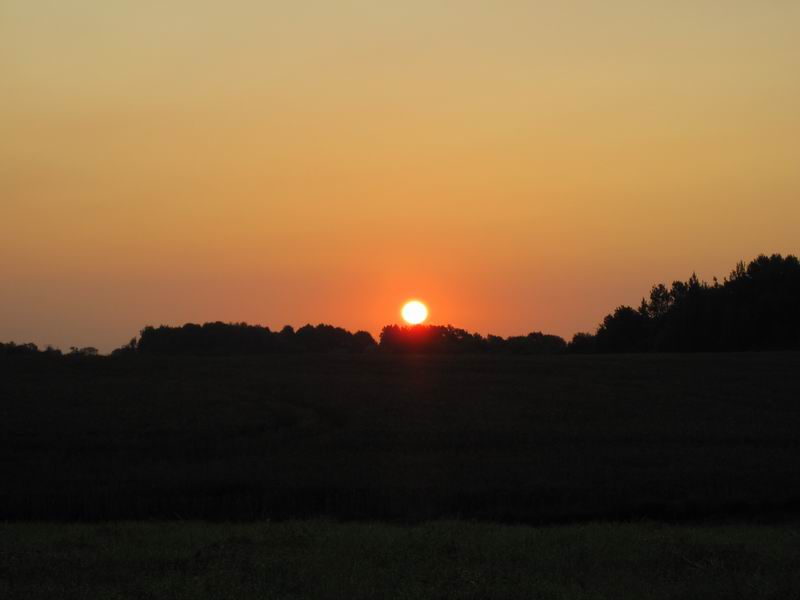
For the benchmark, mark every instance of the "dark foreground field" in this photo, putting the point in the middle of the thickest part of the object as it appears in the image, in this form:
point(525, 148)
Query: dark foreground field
point(537, 440)
point(321, 559)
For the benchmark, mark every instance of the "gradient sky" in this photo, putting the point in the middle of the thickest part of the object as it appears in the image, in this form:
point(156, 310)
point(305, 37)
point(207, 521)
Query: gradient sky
point(517, 165)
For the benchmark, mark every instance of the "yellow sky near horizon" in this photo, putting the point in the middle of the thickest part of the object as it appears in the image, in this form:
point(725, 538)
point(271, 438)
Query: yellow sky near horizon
point(518, 165)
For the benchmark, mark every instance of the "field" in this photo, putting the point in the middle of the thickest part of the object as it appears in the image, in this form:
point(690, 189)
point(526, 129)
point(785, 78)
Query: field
point(374, 476)
point(322, 559)
point(402, 438)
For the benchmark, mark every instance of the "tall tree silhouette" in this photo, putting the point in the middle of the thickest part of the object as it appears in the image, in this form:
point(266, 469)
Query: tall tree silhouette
point(754, 308)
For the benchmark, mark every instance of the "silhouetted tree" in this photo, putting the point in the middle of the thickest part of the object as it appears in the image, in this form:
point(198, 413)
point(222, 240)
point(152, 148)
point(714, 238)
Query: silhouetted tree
point(240, 338)
point(12, 349)
point(446, 339)
point(86, 351)
point(362, 341)
point(536, 343)
point(623, 331)
point(583, 343)
point(128, 349)
point(755, 308)
point(430, 339)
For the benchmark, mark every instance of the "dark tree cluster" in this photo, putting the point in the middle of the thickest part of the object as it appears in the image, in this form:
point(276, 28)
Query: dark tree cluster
point(12, 349)
point(446, 339)
point(240, 338)
point(30, 349)
point(756, 308)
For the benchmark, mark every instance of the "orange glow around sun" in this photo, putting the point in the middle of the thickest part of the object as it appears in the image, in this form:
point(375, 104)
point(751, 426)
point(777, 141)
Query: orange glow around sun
point(414, 312)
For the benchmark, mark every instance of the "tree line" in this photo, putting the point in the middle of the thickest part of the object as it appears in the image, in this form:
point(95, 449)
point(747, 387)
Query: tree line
point(446, 339)
point(757, 307)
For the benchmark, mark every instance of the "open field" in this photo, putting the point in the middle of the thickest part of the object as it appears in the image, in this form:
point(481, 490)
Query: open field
point(322, 559)
point(540, 439)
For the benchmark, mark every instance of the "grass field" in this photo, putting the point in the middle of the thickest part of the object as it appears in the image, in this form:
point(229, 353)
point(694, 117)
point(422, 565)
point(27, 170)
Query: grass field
point(322, 559)
point(409, 438)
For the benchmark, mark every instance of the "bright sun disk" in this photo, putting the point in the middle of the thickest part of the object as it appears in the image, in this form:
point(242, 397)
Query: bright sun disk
point(414, 312)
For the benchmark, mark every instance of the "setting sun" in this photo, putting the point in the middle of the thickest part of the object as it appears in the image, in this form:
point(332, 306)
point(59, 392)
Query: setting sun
point(414, 312)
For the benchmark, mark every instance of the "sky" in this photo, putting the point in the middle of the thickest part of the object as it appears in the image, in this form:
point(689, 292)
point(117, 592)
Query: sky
point(518, 166)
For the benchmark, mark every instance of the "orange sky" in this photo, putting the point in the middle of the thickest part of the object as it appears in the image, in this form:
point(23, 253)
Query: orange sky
point(518, 165)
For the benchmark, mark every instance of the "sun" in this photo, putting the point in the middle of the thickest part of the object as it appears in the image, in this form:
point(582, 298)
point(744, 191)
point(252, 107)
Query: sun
point(414, 312)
